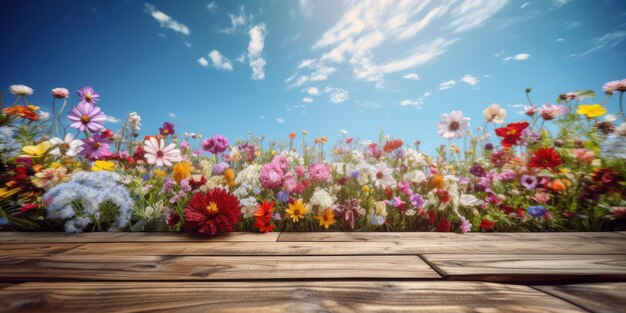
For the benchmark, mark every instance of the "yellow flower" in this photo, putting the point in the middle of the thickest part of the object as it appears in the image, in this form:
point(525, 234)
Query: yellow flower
point(229, 178)
point(181, 171)
point(4, 193)
point(103, 166)
point(49, 177)
point(296, 211)
point(159, 173)
point(326, 218)
point(38, 150)
point(366, 189)
point(591, 110)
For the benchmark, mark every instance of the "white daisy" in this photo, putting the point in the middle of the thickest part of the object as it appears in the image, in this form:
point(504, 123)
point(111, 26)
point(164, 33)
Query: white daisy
point(452, 125)
point(494, 113)
point(382, 176)
point(157, 153)
point(68, 146)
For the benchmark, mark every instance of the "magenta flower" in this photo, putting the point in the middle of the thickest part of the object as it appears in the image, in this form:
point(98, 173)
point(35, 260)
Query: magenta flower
point(167, 129)
point(96, 147)
point(271, 176)
point(348, 213)
point(319, 172)
point(465, 226)
point(215, 145)
point(86, 116)
point(87, 94)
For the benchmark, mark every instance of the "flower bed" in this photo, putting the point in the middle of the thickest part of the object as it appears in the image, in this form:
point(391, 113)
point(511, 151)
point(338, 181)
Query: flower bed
point(561, 169)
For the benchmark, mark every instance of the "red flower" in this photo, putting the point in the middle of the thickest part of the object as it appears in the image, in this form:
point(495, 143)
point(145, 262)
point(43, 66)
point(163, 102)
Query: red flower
point(511, 133)
point(28, 207)
point(545, 158)
point(443, 225)
point(212, 212)
point(487, 224)
point(263, 216)
point(390, 146)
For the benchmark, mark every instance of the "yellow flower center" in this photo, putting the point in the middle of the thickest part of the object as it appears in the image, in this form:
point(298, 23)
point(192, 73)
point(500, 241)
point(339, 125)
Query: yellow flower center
point(166, 131)
point(212, 207)
point(85, 118)
point(88, 96)
point(511, 132)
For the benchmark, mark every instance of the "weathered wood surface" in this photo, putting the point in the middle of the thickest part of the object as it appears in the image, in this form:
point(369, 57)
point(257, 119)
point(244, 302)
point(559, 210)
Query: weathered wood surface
point(35, 249)
point(529, 267)
point(601, 298)
point(180, 268)
point(44, 237)
point(279, 297)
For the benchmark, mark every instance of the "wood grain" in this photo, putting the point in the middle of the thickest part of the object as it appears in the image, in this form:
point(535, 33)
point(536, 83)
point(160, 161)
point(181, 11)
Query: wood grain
point(151, 268)
point(600, 298)
point(529, 267)
point(35, 249)
point(430, 236)
point(608, 246)
point(279, 297)
point(46, 237)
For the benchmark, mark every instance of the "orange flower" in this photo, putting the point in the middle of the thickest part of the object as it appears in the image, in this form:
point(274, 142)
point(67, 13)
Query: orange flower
point(390, 146)
point(27, 112)
point(558, 185)
point(292, 135)
point(436, 182)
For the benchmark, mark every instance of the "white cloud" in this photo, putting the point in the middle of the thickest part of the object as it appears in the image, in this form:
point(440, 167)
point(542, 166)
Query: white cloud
point(166, 21)
point(306, 63)
point(447, 85)
point(187, 44)
point(112, 119)
point(172, 115)
point(339, 95)
point(470, 80)
point(313, 91)
point(322, 73)
point(559, 3)
point(518, 57)
point(524, 5)
point(412, 76)
point(237, 22)
point(471, 14)
point(255, 51)
point(219, 61)
point(241, 58)
point(607, 40)
point(212, 7)
point(560, 40)
point(262, 117)
point(411, 102)
point(571, 25)
point(203, 62)
point(306, 8)
point(307, 99)
point(280, 120)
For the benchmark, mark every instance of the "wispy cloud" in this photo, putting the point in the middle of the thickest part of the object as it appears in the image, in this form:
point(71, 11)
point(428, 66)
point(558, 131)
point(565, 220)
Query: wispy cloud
point(447, 85)
point(219, 61)
point(524, 5)
point(306, 8)
point(611, 39)
point(255, 51)
point(212, 7)
point(518, 57)
point(411, 102)
point(337, 95)
point(112, 119)
point(559, 3)
point(313, 91)
point(166, 21)
point(280, 120)
point(470, 80)
point(237, 21)
point(203, 62)
point(412, 76)
point(307, 99)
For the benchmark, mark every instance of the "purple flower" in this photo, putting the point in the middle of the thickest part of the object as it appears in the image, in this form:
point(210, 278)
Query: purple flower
point(529, 181)
point(355, 174)
point(417, 201)
point(283, 196)
point(220, 168)
point(167, 129)
point(248, 150)
point(215, 145)
point(465, 226)
point(96, 147)
point(349, 212)
point(537, 211)
point(477, 170)
point(480, 188)
point(489, 146)
point(88, 95)
point(529, 137)
point(86, 116)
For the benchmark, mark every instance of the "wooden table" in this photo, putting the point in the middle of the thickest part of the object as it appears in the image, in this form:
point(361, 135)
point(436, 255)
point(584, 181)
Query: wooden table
point(313, 272)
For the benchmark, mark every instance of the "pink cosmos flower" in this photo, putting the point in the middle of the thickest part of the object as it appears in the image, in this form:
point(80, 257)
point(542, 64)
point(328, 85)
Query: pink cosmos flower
point(530, 110)
point(60, 93)
point(88, 95)
point(86, 116)
point(617, 85)
point(96, 147)
point(551, 111)
point(157, 153)
point(319, 172)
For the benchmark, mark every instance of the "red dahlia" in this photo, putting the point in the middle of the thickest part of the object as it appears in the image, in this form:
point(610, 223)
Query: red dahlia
point(545, 158)
point(212, 212)
point(263, 215)
point(511, 133)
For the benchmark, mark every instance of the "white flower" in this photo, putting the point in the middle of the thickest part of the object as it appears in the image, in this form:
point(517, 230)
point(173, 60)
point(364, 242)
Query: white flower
point(134, 120)
point(494, 113)
point(248, 206)
point(381, 175)
point(157, 153)
point(156, 210)
point(380, 209)
point(344, 132)
point(452, 125)
point(415, 176)
point(21, 90)
point(249, 175)
point(610, 118)
point(322, 199)
point(469, 201)
point(68, 146)
point(43, 115)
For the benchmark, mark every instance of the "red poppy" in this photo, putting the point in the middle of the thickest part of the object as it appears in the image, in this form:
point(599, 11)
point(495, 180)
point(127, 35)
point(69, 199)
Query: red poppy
point(511, 133)
point(487, 224)
point(390, 146)
point(264, 210)
point(444, 225)
point(212, 212)
point(545, 158)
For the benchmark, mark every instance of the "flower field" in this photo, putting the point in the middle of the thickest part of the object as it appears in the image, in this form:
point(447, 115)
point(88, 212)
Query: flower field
point(560, 168)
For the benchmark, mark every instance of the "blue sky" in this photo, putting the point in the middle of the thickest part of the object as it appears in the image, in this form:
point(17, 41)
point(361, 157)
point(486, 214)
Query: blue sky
point(272, 67)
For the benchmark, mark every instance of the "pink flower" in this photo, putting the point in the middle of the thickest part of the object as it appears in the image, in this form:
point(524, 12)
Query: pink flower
point(613, 86)
point(215, 145)
point(157, 153)
point(319, 172)
point(405, 188)
point(282, 162)
point(86, 116)
point(271, 176)
point(60, 93)
point(88, 95)
point(541, 197)
point(465, 226)
point(583, 155)
point(301, 170)
point(290, 184)
point(551, 111)
point(530, 110)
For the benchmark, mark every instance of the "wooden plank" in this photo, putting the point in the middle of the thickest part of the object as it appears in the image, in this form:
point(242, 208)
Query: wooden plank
point(621, 232)
point(529, 267)
point(44, 237)
point(150, 268)
point(346, 296)
point(35, 249)
point(600, 298)
point(349, 248)
point(430, 236)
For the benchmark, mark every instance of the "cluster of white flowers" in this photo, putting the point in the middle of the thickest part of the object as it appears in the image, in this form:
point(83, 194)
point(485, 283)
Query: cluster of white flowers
point(322, 199)
point(134, 120)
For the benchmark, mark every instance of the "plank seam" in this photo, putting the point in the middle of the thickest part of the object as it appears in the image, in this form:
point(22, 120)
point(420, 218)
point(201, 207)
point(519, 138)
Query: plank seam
point(435, 268)
point(557, 297)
